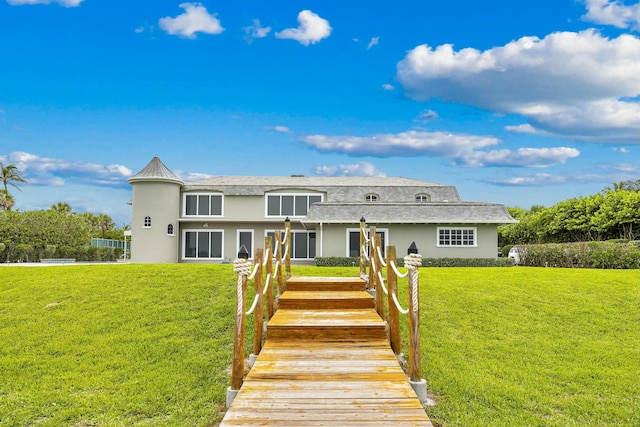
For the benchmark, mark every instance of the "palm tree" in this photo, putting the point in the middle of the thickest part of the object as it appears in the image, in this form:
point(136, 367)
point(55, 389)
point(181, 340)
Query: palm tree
point(6, 201)
point(61, 207)
point(11, 175)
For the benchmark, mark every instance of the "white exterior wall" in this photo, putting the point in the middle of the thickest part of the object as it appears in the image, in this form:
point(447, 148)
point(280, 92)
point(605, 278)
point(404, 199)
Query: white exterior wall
point(161, 202)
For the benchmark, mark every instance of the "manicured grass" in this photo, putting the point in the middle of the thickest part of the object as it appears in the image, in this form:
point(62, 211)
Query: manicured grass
point(110, 345)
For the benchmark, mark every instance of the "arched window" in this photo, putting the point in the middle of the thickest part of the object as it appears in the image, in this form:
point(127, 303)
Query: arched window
point(371, 197)
point(147, 221)
point(170, 229)
point(423, 197)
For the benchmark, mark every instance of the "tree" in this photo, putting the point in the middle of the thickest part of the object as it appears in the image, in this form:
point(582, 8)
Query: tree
point(11, 175)
point(105, 223)
point(61, 207)
point(6, 201)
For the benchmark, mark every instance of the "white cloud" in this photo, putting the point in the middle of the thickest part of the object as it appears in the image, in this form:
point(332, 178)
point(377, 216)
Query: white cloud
point(195, 19)
point(354, 169)
point(282, 129)
point(65, 3)
point(387, 86)
point(410, 143)
point(522, 157)
point(579, 85)
point(523, 128)
point(613, 13)
point(374, 41)
point(426, 116)
point(623, 150)
point(311, 30)
point(531, 180)
point(256, 31)
point(50, 171)
point(191, 176)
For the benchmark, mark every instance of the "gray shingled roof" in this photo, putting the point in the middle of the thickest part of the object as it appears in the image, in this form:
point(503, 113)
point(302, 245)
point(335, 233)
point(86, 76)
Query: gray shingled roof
point(409, 213)
point(155, 171)
point(336, 188)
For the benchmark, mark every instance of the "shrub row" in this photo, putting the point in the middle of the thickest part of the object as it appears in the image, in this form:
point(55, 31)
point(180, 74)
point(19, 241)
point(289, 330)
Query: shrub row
point(581, 255)
point(426, 262)
point(27, 253)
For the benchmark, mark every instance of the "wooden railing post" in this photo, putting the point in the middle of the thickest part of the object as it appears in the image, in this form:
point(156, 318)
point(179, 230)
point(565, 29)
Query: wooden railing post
point(378, 287)
point(415, 370)
point(242, 267)
point(287, 243)
point(278, 237)
point(394, 315)
point(258, 313)
point(372, 254)
point(269, 274)
point(363, 247)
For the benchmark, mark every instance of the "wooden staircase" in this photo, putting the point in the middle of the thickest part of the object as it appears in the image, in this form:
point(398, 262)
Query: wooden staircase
point(326, 361)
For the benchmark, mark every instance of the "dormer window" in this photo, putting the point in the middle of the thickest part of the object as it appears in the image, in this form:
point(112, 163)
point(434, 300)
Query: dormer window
point(423, 198)
point(371, 197)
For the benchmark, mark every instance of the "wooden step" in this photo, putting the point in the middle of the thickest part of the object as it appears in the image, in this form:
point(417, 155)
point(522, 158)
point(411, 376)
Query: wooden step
point(313, 283)
point(326, 300)
point(330, 325)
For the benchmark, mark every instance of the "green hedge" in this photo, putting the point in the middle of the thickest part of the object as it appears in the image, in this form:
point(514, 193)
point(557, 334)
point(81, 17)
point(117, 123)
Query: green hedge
point(581, 255)
point(426, 262)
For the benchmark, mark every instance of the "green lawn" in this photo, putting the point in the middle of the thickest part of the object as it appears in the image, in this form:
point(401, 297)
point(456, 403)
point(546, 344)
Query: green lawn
point(112, 345)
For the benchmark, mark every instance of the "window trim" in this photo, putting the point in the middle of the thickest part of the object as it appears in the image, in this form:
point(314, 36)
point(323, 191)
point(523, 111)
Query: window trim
point(307, 232)
point(253, 243)
point(146, 223)
point(183, 243)
point(173, 230)
point(280, 194)
point(371, 197)
point(420, 196)
point(198, 194)
point(475, 237)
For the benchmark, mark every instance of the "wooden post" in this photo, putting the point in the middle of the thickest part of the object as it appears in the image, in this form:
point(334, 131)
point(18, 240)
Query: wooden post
point(269, 274)
point(415, 370)
point(278, 236)
point(237, 368)
point(287, 245)
point(363, 248)
point(378, 264)
point(392, 287)
point(258, 316)
point(372, 248)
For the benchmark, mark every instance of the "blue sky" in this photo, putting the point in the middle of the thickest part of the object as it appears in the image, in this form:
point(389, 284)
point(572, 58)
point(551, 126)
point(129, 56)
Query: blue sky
point(513, 102)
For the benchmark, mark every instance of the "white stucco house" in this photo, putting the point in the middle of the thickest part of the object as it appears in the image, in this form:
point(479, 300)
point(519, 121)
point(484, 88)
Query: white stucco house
point(208, 220)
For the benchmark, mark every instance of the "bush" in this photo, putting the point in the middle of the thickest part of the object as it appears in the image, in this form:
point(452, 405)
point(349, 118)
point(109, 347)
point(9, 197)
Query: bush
point(336, 261)
point(23, 253)
point(582, 255)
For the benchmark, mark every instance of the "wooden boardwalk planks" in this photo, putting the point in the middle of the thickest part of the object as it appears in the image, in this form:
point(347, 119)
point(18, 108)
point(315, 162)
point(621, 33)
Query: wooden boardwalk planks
point(326, 367)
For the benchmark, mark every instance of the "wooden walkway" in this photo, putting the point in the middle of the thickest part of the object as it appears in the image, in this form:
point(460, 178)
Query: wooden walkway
point(326, 361)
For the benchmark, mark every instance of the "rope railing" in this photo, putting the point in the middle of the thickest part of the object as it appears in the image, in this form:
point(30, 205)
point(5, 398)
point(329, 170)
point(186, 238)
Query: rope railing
point(389, 287)
point(262, 273)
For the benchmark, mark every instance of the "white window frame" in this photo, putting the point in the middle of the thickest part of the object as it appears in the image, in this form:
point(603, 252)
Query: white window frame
point(253, 243)
point(184, 204)
point(384, 231)
point(423, 198)
point(173, 229)
point(199, 230)
point(146, 222)
point(266, 203)
point(475, 237)
point(371, 198)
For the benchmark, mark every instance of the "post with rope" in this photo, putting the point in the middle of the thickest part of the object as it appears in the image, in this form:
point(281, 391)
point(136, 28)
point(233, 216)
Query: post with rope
point(412, 261)
point(372, 256)
point(278, 253)
point(394, 316)
point(287, 246)
point(269, 274)
point(363, 242)
point(258, 319)
point(242, 267)
point(377, 266)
